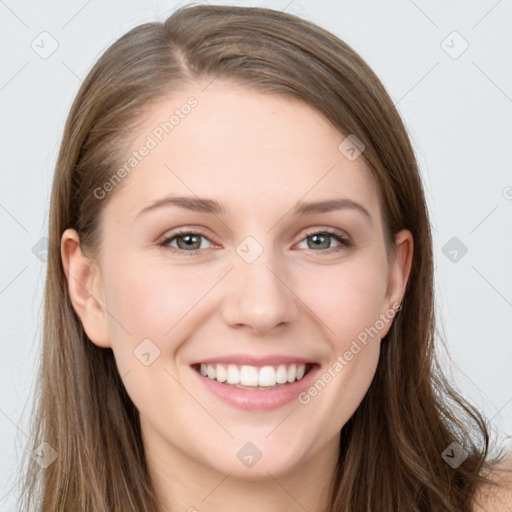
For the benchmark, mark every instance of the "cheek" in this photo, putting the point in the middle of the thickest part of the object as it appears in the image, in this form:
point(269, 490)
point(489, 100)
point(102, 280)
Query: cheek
point(151, 312)
point(152, 302)
point(349, 309)
point(350, 302)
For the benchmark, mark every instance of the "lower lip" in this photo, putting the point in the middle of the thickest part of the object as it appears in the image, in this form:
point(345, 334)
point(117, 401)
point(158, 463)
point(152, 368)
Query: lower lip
point(262, 400)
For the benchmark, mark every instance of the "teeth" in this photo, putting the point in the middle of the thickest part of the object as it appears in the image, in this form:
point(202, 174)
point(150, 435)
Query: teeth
point(292, 372)
point(281, 374)
point(233, 374)
point(265, 376)
point(249, 376)
point(222, 374)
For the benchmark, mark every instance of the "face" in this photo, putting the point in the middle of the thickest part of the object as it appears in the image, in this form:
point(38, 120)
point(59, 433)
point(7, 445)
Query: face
point(243, 281)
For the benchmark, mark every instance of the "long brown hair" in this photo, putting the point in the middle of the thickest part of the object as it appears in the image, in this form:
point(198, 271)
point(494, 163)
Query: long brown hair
point(392, 446)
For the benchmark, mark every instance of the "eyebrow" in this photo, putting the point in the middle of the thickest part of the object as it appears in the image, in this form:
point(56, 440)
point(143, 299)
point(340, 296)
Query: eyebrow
point(202, 205)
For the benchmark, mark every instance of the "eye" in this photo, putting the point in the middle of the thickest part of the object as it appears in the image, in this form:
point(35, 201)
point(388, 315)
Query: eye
point(322, 240)
point(187, 241)
point(190, 241)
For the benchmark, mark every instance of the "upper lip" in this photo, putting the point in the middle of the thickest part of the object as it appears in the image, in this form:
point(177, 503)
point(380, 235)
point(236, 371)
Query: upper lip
point(245, 359)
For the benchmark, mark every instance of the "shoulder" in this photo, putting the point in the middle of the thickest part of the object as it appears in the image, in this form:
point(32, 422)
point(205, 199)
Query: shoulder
point(496, 498)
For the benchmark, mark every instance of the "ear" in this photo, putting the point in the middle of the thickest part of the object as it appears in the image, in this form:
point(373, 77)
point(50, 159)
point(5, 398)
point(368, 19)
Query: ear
point(85, 289)
point(399, 271)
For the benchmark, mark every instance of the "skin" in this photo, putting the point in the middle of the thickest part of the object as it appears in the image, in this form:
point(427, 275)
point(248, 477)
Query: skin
point(258, 154)
point(496, 496)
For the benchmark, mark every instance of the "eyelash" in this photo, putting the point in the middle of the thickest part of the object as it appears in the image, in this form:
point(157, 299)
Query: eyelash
point(343, 242)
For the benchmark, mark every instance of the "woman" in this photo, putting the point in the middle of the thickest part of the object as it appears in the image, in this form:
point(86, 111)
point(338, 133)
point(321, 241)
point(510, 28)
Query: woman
point(239, 300)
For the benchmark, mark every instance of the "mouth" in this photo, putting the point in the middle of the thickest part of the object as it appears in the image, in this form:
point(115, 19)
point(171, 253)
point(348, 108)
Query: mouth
point(255, 382)
point(249, 377)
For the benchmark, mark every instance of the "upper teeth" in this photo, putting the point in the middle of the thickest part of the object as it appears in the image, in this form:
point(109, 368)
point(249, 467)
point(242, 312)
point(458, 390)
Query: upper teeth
point(253, 375)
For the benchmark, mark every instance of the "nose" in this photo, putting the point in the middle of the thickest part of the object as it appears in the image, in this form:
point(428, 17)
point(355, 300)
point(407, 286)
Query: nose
point(259, 295)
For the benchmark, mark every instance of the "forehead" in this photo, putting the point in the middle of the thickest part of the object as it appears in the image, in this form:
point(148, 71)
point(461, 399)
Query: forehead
point(246, 148)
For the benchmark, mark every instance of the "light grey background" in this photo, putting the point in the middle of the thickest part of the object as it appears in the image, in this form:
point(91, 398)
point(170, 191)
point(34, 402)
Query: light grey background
point(458, 109)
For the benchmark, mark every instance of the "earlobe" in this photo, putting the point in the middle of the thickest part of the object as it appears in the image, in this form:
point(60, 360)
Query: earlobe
point(85, 289)
point(400, 269)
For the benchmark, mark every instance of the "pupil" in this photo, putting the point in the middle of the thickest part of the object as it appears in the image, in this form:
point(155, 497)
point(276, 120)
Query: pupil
point(189, 240)
point(316, 238)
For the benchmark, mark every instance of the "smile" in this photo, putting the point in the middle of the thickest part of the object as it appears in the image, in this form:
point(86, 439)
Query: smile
point(254, 377)
point(263, 385)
